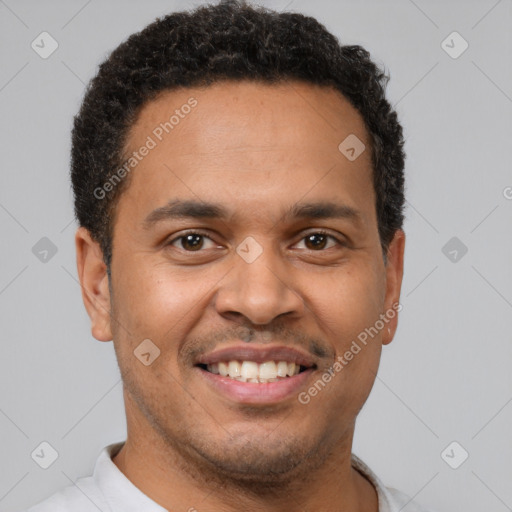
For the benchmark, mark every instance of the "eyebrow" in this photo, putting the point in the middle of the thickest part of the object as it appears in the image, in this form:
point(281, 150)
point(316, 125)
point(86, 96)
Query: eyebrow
point(182, 209)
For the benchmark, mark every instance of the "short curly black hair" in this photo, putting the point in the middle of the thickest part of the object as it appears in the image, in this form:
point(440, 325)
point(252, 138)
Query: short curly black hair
point(236, 41)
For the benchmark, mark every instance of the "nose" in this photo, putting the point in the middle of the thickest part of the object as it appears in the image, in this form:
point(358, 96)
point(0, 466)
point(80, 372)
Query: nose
point(261, 290)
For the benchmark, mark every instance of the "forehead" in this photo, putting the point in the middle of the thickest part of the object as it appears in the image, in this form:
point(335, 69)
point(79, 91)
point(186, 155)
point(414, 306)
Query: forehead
point(247, 143)
point(264, 111)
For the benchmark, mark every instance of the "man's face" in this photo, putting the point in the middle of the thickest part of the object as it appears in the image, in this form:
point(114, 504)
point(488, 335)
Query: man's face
point(264, 283)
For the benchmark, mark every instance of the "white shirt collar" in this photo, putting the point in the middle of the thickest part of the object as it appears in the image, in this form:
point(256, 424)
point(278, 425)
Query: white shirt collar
point(386, 500)
point(120, 493)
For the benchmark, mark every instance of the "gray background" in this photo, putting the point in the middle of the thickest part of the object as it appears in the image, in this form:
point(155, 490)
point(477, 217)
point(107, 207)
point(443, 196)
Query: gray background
point(446, 376)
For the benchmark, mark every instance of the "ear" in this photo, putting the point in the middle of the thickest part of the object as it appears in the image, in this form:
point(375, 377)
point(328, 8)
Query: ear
point(394, 274)
point(92, 273)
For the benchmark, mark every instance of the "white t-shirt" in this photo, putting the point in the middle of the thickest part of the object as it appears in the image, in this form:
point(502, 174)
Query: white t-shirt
point(108, 490)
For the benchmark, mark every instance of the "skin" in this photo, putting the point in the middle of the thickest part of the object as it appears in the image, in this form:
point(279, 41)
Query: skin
point(257, 150)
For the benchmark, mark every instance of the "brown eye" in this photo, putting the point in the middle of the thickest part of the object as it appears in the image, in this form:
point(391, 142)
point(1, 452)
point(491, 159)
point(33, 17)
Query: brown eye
point(316, 241)
point(191, 242)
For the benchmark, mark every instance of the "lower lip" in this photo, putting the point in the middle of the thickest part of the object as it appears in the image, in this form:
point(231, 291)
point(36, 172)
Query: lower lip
point(257, 393)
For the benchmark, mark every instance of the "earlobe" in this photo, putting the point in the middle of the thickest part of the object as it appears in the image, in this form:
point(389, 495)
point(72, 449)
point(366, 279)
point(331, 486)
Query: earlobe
point(394, 275)
point(92, 273)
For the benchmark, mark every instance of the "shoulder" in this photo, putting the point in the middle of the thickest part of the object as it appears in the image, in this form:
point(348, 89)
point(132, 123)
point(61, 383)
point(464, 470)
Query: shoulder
point(390, 499)
point(86, 494)
point(402, 501)
point(82, 496)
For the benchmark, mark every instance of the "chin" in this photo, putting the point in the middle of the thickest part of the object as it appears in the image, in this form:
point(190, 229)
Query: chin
point(257, 463)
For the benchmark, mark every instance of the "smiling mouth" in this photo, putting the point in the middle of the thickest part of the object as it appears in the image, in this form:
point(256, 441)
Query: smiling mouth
point(251, 371)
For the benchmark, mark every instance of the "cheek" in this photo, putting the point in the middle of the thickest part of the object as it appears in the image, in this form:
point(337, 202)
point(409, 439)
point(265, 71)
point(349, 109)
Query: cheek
point(160, 303)
point(347, 303)
point(155, 295)
point(153, 303)
point(347, 308)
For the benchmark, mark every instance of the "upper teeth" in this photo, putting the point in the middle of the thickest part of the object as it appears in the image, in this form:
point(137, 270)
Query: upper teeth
point(249, 371)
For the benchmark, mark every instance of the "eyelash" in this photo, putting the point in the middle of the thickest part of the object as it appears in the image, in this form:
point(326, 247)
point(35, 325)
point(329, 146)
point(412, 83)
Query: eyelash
point(202, 233)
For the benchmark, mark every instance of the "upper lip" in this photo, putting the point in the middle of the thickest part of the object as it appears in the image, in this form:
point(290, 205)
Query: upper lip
point(258, 354)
